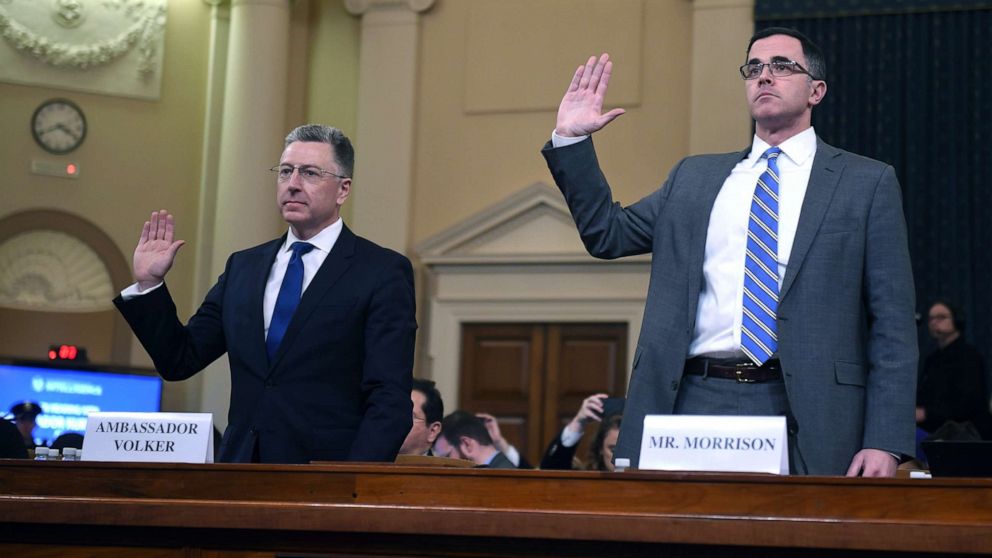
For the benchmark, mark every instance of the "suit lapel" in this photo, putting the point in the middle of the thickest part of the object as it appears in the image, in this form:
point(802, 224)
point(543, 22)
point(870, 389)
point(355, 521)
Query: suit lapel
point(254, 348)
point(711, 181)
point(823, 179)
point(334, 266)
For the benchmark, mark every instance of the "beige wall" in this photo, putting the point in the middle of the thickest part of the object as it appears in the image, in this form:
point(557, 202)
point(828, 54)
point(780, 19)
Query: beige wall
point(138, 155)
point(332, 90)
point(493, 71)
point(490, 75)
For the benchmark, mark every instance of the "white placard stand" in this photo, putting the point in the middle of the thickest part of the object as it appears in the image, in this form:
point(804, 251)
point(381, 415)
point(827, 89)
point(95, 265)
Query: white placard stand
point(154, 437)
point(744, 444)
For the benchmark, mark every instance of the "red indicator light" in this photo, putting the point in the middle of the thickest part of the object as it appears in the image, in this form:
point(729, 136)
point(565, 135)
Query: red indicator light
point(71, 169)
point(67, 352)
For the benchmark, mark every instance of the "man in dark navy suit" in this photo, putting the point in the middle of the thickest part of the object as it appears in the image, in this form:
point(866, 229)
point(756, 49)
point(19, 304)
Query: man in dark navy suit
point(318, 325)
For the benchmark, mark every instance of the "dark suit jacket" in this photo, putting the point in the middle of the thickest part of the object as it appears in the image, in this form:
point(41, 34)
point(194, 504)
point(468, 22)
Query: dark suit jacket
point(500, 461)
point(339, 386)
point(847, 337)
point(558, 456)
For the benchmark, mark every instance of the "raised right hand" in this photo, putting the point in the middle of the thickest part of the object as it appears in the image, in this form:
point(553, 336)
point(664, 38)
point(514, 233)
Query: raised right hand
point(580, 111)
point(156, 250)
point(590, 410)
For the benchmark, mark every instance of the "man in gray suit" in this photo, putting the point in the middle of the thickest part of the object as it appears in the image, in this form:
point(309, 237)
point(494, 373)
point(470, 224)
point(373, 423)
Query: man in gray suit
point(780, 280)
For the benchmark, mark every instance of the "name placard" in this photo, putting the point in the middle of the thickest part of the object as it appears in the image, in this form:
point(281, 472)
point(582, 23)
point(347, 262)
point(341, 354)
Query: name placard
point(743, 444)
point(155, 437)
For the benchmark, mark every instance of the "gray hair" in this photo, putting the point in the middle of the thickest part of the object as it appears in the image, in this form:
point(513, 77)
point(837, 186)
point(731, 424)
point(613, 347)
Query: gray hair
point(344, 153)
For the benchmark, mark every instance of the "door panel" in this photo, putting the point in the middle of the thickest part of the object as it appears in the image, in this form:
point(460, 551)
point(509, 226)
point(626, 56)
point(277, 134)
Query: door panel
point(533, 377)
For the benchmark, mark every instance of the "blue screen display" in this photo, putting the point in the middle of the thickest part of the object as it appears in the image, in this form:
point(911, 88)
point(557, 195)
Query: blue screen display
point(67, 395)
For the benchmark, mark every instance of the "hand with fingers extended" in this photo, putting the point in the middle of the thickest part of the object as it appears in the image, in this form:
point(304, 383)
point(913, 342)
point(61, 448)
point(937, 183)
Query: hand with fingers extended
point(581, 110)
point(156, 250)
point(492, 427)
point(590, 410)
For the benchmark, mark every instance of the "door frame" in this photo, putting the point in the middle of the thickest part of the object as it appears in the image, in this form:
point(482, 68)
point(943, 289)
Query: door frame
point(519, 260)
point(447, 316)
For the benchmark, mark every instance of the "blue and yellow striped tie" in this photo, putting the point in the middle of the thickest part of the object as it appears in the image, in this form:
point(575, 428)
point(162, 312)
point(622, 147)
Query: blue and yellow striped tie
point(759, 334)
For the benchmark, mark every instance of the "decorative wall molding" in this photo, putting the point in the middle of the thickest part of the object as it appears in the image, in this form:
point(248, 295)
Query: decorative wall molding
point(106, 46)
point(51, 271)
point(520, 261)
point(359, 7)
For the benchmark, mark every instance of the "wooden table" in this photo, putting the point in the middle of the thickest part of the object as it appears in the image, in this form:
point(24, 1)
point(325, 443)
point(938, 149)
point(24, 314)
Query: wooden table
point(141, 509)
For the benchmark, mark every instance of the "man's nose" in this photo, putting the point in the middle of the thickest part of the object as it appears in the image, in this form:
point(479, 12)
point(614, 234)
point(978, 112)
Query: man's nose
point(295, 180)
point(766, 74)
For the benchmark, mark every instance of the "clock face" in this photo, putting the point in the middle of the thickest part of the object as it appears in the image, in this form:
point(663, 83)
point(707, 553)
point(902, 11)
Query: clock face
point(58, 125)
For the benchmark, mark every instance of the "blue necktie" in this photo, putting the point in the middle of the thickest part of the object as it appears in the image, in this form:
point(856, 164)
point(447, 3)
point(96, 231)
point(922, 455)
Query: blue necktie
point(759, 333)
point(288, 299)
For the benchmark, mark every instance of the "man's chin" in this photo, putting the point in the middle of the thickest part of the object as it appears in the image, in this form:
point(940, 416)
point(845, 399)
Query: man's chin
point(293, 213)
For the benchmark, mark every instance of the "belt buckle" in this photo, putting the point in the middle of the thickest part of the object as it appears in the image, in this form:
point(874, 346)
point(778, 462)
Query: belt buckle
point(740, 369)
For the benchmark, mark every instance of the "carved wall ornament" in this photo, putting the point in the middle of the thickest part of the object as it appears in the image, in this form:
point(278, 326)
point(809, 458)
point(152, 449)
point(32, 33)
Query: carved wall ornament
point(51, 271)
point(69, 13)
point(50, 42)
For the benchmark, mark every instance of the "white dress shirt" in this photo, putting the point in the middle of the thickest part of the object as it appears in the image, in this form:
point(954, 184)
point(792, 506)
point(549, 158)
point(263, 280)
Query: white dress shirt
point(312, 260)
point(323, 242)
point(718, 314)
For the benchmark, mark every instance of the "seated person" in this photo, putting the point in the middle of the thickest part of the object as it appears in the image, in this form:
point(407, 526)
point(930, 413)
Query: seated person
point(952, 384)
point(505, 447)
point(561, 452)
point(428, 410)
point(11, 442)
point(464, 436)
point(25, 414)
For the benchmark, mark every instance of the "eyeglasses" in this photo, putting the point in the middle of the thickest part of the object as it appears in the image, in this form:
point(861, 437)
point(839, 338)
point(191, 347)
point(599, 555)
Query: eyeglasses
point(309, 173)
point(778, 68)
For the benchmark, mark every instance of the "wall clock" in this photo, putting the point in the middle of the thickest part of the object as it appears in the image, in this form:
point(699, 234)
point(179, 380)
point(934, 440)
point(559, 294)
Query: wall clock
point(58, 125)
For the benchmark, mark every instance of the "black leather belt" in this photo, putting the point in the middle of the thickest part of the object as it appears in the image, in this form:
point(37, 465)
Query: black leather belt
point(743, 372)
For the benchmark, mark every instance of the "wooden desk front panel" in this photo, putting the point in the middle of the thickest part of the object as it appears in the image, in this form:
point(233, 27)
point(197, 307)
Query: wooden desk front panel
point(419, 511)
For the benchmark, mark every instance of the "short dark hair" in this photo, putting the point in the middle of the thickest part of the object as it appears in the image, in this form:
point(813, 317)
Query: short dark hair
point(344, 153)
point(816, 64)
point(433, 406)
point(463, 423)
point(957, 314)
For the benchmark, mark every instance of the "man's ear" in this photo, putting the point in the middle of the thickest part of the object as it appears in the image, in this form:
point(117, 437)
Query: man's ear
point(818, 91)
point(433, 431)
point(344, 190)
point(468, 446)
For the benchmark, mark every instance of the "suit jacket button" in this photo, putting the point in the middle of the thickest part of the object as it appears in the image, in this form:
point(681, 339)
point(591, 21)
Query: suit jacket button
point(675, 385)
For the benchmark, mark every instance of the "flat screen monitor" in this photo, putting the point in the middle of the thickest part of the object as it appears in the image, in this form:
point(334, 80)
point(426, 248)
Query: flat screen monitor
point(68, 392)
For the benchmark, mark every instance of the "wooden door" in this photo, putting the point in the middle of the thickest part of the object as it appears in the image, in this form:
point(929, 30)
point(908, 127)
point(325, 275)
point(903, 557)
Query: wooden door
point(533, 377)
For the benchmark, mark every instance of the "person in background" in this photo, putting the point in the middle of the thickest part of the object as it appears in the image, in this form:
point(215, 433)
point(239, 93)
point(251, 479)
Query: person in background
point(11, 442)
point(25, 416)
point(561, 451)
point(952, 384)
point(505, 447)
point(428, 412)
point(464, 436)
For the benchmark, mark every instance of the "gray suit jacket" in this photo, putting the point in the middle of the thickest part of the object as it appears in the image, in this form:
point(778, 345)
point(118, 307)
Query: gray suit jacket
point(847, 337)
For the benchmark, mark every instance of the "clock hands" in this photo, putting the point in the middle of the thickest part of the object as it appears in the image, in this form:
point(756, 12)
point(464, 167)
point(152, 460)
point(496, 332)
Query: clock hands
point(62, 127)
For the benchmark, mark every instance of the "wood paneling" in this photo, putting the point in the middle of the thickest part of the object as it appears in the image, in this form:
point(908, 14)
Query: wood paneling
point(386, 510)
point(533, 377)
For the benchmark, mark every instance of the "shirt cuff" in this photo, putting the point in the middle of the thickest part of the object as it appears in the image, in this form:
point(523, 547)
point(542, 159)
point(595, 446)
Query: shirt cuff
point(570, 437)
point(513, 455)
point(135, 291)
point(563, 141)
